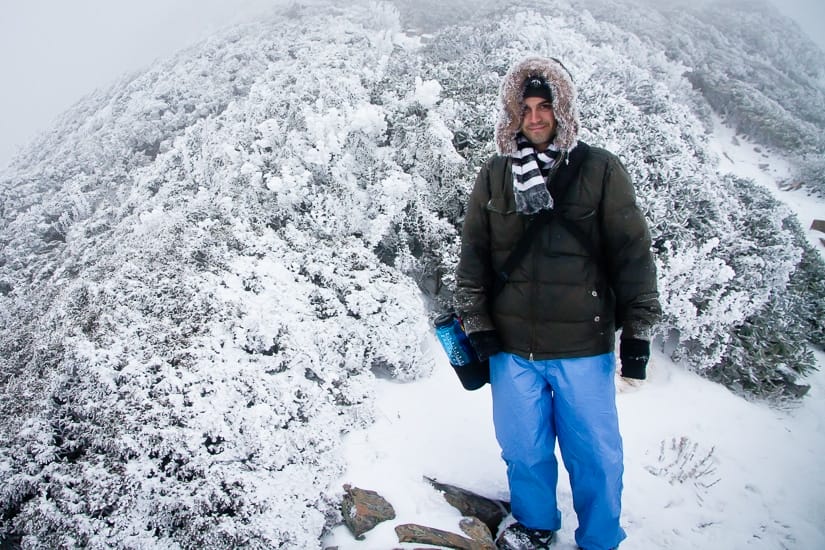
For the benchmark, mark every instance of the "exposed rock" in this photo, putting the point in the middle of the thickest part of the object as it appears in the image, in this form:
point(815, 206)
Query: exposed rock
point(490, 511)
point(363, 510)
point(478, 531)
point(420, 534)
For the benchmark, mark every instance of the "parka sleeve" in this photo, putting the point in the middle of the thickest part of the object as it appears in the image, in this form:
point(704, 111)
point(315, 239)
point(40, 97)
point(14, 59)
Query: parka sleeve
point(629, 258)
point(474, 274)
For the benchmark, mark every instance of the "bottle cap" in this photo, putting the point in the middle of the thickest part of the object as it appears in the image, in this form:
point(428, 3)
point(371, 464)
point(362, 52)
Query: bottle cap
point(444, 319)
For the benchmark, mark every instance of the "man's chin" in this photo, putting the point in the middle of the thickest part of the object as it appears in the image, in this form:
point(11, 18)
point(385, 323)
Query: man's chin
point(539, 145)
point(538, 141)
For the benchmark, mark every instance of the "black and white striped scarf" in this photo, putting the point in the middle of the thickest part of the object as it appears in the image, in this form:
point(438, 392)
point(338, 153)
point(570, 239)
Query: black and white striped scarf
point(531, 172)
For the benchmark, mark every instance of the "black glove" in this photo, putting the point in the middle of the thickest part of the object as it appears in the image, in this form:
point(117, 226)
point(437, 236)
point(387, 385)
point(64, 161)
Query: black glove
point(485, 343)
point(634, 354)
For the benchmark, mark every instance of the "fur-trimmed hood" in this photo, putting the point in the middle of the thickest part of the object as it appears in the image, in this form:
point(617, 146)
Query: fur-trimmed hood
point(510, 103)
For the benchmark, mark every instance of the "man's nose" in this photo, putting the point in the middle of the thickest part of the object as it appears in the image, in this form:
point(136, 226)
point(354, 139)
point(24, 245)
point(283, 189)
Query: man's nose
point(531, 116)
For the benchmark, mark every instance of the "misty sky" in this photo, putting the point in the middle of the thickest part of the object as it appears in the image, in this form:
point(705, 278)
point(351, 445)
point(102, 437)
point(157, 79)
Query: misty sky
point(53, 52)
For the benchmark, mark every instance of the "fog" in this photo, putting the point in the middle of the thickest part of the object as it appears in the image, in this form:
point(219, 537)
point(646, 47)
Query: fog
point(54, 52)
point(809, 14)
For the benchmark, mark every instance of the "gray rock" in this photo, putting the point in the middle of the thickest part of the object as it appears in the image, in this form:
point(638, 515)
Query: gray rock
point(478, 531)
point(421, 534)
point(490, 511)
point(363, 510)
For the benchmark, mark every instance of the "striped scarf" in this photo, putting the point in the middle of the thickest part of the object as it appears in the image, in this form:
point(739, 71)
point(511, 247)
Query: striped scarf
point(531, 172)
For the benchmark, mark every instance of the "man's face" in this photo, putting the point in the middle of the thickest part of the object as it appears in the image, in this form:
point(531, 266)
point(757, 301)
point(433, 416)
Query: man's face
point(538, 123)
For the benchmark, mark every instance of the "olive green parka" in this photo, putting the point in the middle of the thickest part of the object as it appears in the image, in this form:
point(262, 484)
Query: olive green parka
point(560, 301)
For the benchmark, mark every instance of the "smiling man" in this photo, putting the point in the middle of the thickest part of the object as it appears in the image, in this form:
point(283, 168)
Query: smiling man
point(538, 121)
point(548, 327)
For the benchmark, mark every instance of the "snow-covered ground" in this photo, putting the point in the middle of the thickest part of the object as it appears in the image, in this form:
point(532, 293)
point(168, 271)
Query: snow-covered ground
point(743, 158)
point(703, 467)
point(761, 488)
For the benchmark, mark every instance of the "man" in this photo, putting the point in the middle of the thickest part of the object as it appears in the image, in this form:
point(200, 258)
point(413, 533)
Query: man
point(549, 328)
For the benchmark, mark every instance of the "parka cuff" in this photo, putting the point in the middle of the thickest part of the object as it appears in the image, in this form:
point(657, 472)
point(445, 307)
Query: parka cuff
point(476, 322)
point(637, 332)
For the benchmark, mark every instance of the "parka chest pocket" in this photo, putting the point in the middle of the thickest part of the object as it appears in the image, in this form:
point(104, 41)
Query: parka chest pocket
point(506, 226)
point(577, 213)
point(501, 206)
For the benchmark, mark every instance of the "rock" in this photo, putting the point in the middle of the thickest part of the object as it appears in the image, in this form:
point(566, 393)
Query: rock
point(420, 534)
point(491, 512)
point(363, 510)
point(478, 531)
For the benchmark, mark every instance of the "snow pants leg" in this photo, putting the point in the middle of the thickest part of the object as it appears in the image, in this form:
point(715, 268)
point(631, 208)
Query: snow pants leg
point(574, 401)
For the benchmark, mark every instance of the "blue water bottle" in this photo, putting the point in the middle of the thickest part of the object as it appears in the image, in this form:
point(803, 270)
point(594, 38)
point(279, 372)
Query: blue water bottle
point(454, 340)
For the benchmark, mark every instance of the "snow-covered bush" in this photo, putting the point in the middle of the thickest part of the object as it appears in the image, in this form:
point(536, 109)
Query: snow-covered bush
point(193, 308)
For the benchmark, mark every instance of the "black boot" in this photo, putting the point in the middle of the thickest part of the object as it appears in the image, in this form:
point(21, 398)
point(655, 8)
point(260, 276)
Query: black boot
point(519, 537)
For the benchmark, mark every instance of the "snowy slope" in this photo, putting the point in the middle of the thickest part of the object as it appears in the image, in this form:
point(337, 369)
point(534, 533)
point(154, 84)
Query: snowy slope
point(741, 156)
point(763, 487)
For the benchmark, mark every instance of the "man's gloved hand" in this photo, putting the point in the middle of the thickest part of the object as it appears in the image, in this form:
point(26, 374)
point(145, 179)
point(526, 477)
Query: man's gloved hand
point(485, 343)
point(634, 354)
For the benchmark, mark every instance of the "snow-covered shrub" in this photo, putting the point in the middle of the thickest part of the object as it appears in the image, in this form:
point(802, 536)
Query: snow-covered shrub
point(810, 173)
point(193, 308)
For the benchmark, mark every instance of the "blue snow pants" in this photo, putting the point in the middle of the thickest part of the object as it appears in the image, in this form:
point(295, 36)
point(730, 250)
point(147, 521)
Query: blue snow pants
point(574, 401)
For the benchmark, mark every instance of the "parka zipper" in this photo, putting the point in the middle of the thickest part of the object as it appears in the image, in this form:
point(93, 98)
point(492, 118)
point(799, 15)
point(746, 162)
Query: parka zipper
point(533, 295)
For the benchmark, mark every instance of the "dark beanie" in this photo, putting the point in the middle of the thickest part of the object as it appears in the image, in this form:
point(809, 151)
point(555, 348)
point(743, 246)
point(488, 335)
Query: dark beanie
point(537, 86)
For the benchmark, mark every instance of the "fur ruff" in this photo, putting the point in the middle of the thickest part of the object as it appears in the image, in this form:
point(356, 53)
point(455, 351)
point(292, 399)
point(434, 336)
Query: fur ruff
point(510, 103)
